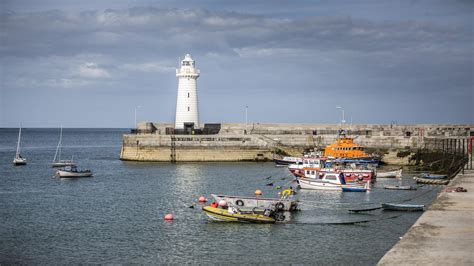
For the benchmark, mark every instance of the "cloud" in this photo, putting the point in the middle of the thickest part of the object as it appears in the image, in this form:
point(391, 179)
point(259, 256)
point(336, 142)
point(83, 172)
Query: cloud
point(320, 55)
point(92, 70)
point(159, 67)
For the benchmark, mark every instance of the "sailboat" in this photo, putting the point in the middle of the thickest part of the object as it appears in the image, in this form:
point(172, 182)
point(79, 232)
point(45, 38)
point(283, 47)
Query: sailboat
point(18, 160)
point(57, 162)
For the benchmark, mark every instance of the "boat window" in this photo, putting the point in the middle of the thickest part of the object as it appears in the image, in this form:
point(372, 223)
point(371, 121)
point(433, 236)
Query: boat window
point(312, 172)
point(331, 177)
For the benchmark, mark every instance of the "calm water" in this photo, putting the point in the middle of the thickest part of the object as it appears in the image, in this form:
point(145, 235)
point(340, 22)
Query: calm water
point(117, 216)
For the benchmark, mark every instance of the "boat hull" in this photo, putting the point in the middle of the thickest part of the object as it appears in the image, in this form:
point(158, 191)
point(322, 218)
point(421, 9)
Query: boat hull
point(257, 202)
point(431, 176)
point(354, 189)
point(224, 215)
point(431, 181)
point(402, 207)
point(390, 174)
point(19, 161)
point(62, 173)
point(306, 183)
point(400, 187)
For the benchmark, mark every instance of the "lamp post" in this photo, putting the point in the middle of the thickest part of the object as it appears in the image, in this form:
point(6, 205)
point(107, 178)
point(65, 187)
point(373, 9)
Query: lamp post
point(136, 107)
point(342, 121)
point(246, 116)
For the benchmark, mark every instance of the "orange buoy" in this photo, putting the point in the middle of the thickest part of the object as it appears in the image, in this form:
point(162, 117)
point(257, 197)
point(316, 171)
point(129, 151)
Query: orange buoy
point(258, 192)
point(214, 205)
point(169, 217)
point(202, 199)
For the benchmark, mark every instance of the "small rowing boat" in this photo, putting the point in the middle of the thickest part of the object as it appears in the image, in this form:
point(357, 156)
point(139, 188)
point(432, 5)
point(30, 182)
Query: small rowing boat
point(431, 181)
point(390, 174)
point(433, 176)
point(400, 187)
point(402, 207)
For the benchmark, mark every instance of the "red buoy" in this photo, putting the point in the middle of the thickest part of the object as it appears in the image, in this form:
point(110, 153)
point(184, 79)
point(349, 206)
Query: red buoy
point(202, 199)
point(169, 217)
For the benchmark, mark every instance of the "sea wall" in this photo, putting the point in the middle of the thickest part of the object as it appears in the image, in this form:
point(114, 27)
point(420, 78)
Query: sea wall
point(240, 142)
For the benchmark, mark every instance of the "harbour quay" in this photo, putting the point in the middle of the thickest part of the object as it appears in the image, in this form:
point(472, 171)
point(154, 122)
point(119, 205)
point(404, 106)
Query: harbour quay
point(161, 142)
point(444, 234)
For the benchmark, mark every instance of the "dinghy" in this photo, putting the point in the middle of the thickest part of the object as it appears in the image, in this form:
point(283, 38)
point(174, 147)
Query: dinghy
point(390, 174)
point(402, 207)
point(400, 187)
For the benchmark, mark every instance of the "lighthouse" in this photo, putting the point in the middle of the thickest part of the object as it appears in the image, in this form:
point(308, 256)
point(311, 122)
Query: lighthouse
point(187, 113)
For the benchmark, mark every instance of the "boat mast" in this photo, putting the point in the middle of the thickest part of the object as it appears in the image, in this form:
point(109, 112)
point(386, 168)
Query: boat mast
point(58, 148)
point(60, 143)
point(18, 144)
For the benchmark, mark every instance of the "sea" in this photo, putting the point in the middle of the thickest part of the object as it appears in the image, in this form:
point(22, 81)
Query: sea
point(117, 216)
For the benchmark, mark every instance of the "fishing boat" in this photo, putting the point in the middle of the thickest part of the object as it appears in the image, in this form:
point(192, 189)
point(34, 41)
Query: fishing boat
point(329, 181)
point(390, 174)
point(433, 176)
point(350, 175)
point(57, 162)
point(402, 207)
point(285, 160)
point(73, 171)
point(282, 204)
point(400, 187)
point(234, 214)
point(18, 160)
point(297, 169)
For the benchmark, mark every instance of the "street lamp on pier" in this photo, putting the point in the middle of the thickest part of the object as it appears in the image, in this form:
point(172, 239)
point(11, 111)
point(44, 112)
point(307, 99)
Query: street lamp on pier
point(246, 118)
point(135, 121)
point(342, 121)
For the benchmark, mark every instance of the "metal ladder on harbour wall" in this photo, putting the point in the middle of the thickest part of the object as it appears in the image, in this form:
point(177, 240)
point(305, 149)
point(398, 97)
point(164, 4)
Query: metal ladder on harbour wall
point(173, 149)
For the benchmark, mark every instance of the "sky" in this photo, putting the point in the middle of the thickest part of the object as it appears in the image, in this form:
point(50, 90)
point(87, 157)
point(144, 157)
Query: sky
point(96, 63)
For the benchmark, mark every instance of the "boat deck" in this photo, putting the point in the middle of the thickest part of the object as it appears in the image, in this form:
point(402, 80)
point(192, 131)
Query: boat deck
point(443, 235)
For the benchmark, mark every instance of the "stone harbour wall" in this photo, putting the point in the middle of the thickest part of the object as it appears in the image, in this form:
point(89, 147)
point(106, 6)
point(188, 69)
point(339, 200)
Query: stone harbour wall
point(240, 142)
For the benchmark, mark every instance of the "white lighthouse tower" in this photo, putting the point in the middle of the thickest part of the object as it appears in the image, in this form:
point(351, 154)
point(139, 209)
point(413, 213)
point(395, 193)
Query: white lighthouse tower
point(187, 113)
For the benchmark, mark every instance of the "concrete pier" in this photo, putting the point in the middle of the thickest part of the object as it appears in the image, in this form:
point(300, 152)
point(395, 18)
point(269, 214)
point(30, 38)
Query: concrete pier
point(443, 235)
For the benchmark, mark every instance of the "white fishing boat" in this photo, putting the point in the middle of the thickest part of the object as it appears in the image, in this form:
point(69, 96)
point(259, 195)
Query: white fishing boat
point(390, 174)
point(328, 181)
point(73, 171)
point(19, 160)
point(57, 162)
point(297, 169)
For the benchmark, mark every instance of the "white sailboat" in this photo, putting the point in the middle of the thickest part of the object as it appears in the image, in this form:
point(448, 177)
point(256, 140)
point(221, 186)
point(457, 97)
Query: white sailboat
point(57, 162)
point(18, 160)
